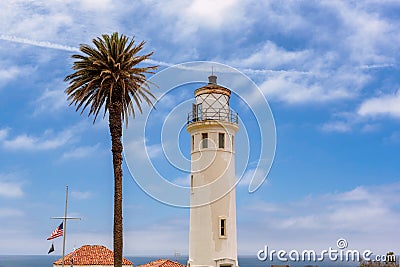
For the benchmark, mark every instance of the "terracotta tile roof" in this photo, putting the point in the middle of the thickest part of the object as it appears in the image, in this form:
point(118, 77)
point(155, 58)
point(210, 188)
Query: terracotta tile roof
point(91, 255)
point(162, 263)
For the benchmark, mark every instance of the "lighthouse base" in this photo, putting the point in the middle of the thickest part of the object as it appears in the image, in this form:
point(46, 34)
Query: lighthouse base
point(222, 262)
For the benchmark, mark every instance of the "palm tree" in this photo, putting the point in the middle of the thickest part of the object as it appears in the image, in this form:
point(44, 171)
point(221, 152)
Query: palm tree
point(107, 77)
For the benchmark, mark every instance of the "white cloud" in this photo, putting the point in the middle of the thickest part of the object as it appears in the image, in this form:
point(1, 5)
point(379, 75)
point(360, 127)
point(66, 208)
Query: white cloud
point(176, 229)
point(272, 56)
point(345, 122)
point(34, 241)
point(335, 63)
point(35, 20)
point(314, 222)
point(393, 138)
point(257, 175)
point(156, 243)
point(3, 133)
point(11, 185)
point(50, 101)
point(353, 214)
point(81, 152)
point(211, 14)
point(45, 142)
point(142, 151)
point(8, 212)
point(366, 34)
point(200, 14)
point(285, 18)
point(337, 126)
point(48, 140)
point(183, 181)
point(81, 195)
point(9, 73)
point(54, 24)
point(197, 24)
point(385, 105)
point(355, 26)
point(11, 69)
point(369, 128)
point(298, 89)
point(154, 151)
point(10, 189)
point(102, 5)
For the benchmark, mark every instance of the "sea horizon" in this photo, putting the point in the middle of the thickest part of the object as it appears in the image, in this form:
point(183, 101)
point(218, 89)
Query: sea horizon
point(244, 261)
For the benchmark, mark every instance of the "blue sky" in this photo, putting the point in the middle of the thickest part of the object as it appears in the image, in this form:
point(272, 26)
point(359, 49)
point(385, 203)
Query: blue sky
point(329, 70)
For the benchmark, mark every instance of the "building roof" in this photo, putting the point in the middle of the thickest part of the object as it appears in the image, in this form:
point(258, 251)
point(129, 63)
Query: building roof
point(162, 263)
point(91, 255)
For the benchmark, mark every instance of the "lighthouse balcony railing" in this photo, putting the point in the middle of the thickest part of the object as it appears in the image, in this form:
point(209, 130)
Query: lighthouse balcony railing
point(213, 114)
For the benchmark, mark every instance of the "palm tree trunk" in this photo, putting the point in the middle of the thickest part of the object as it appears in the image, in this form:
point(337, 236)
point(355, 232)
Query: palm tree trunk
point(115, 124)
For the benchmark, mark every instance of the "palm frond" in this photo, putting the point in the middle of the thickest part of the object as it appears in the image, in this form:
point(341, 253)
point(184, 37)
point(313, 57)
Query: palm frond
point(108, 73)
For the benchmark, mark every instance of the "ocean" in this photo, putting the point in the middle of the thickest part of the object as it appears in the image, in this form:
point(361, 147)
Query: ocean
point(244, 261)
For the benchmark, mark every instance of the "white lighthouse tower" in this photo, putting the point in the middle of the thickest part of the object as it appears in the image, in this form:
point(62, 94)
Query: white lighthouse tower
point(212, 126)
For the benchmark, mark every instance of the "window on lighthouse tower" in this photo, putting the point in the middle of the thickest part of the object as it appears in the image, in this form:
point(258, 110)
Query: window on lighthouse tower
point(222, 227)
point(204, 140)
point(221, 140)
point(191, 184)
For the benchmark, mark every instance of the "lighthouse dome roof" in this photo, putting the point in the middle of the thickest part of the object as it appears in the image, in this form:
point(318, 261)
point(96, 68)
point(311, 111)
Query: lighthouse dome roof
point(212, 88)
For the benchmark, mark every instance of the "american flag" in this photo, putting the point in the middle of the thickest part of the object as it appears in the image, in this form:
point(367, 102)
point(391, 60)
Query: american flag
point(57, 232)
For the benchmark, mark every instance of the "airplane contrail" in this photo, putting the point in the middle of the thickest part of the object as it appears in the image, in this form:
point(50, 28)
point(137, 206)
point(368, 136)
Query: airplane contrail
point(61, 47)
point(51, 45)
point(38, 43)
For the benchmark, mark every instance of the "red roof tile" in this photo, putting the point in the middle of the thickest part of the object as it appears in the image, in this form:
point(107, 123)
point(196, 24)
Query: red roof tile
point(162, 263)
point(91, 255)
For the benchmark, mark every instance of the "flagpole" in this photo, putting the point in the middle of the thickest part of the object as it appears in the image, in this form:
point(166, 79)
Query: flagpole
point(65, 218)
point(65, 224)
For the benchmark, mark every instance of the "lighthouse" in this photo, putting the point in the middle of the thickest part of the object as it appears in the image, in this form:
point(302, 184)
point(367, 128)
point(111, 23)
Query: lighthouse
point(212, 126)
